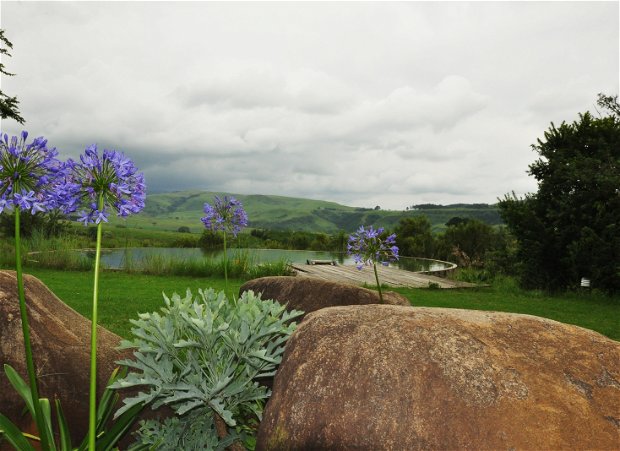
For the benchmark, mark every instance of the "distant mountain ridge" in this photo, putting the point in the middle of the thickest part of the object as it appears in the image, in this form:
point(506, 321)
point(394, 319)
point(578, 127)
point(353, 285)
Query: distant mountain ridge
point(185, 208)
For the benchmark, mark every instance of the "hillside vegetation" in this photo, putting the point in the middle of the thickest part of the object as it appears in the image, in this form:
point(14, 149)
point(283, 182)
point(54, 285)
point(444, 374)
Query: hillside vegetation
point(169, 211)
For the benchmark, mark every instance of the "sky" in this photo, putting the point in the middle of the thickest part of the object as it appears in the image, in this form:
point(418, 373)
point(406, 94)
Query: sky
point(361, 103)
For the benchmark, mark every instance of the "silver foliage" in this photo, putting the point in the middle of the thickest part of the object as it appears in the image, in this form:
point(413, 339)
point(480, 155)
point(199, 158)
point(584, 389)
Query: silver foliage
point(202, 355)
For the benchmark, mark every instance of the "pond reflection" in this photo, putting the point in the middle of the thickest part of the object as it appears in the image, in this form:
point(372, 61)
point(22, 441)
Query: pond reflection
point(118, 258)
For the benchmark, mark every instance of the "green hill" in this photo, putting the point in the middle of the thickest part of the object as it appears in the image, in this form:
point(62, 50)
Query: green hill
point(169, 211)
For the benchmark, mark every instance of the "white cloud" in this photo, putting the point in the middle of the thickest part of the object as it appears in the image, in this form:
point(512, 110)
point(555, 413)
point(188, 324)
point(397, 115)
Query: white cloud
point(361, 103)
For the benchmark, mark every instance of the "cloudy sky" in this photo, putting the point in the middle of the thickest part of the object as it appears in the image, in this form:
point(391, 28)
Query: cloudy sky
point(365, 104)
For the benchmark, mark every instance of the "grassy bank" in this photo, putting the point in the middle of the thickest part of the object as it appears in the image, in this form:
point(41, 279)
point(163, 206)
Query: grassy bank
point(123, 296)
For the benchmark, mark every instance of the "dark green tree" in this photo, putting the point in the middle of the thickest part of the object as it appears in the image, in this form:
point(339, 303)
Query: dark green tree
point(570, 228)
point(49, 224)
point(609, 103)
point(467, 242)
point(456, 220)
point(210, 240)
point(414, 237)
point(8, 105)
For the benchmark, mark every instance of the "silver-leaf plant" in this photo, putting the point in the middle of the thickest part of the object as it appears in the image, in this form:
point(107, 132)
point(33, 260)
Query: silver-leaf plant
point(202, 357)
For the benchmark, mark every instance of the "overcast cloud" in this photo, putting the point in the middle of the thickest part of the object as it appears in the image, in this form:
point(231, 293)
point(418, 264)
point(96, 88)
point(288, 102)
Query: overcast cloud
point(365, 104)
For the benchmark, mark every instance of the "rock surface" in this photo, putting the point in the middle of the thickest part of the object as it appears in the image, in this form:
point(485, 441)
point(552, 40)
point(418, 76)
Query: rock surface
point(381, 377)
point(61, 346)
point(309, 295)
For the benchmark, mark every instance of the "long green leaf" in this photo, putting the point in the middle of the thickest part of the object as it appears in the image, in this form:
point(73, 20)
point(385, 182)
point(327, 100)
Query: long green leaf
point(20, 387)
point(65, 436)
point(108, 400)
point(139, 447)
point(118, 430)
point(46, 411)
point(14, 436)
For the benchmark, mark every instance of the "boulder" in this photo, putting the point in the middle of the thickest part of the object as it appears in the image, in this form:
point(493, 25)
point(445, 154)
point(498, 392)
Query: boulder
point(308, 295)
point(380, 377)
point(61, 346)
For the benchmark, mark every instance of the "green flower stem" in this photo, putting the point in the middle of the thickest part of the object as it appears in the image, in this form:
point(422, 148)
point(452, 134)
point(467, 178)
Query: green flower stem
point(34, 391)
point(225, 266)
point(374, 265)
point(92, 412)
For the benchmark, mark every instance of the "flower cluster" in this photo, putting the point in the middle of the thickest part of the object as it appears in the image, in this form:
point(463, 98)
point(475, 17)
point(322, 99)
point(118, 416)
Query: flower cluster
point(99, 183)
point(33, 179)
point(227, 215)
point(367, 247)
point(30, 175)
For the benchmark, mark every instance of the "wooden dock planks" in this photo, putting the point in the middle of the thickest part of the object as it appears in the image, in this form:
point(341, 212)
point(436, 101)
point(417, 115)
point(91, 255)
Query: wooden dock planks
point(387, 275)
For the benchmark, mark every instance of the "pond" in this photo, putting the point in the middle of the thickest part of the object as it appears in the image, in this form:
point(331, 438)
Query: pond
point(116, 258)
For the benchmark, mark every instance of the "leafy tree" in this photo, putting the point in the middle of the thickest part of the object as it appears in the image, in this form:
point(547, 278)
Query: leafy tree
point(570, 228)
point(8, 105)
point(320, 242)
point(49, 224)
point(455, 221)
point(338, 241)
point(609, 103)
point(414, 237)
point(468, 240)
point(210, 240)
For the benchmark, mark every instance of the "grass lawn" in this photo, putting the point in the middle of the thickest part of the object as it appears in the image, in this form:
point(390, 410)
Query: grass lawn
point(122, 296)
point(592, 311)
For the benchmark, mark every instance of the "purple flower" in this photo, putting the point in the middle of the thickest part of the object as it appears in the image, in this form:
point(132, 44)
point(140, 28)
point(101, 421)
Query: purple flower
point(367, 247)
point(31, 177)
point(112, 177)
point(227, 215)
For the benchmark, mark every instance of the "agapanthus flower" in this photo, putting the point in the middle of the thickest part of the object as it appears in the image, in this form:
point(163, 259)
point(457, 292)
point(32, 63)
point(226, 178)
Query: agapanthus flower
point(227, 215)
point(31, 177)
point(367, 247)
point(112, 178)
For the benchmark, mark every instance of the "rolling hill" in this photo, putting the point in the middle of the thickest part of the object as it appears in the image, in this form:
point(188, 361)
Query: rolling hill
point(169, 211)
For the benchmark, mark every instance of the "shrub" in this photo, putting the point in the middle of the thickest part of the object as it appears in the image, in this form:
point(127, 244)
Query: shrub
point(201, 356)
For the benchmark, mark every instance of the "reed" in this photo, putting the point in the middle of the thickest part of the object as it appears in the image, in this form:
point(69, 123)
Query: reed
point(57, 253)
point(242, 266)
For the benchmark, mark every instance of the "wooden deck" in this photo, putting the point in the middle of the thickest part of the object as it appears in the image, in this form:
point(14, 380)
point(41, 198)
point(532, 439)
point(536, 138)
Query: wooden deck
point(393, 277)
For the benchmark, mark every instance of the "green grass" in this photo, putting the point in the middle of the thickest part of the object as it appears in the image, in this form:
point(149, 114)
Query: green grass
point(122, 296)
point(590, 310)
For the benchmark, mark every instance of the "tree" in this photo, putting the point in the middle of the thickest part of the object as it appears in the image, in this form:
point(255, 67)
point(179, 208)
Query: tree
point(570, 228)
point(8, 105)
point(414, 237)
point(48, 224)
point(609, 103)
point(455, 221)
point(468, 241)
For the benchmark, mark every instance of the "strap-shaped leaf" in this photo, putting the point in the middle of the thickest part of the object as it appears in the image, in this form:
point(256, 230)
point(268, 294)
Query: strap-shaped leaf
point(46, 411)
point(108, 400)
point(13, 435)
point(65, 436)
point(20, 387)
point(117, 431)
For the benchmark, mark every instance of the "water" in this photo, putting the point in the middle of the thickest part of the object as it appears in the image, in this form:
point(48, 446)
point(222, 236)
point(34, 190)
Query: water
point(115, 258)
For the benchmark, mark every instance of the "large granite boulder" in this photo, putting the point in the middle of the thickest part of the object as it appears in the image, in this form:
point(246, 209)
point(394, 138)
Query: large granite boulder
point(379, 377)
point(61, 345)
point(308, 295)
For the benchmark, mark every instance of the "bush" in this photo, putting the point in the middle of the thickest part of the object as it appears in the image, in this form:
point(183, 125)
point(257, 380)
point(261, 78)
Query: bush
point(202, 357)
